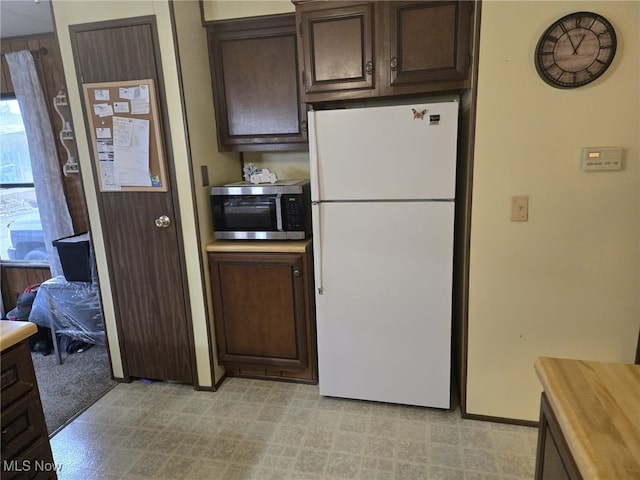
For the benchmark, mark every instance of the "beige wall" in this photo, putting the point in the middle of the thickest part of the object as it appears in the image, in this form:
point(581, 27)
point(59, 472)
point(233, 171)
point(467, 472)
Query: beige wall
point(222, 168)
point(567, 282)
point(225, 9)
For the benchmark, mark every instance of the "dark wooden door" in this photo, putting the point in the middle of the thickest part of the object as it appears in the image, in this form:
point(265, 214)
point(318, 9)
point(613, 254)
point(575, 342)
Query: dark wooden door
point(428, 43)
point(337, 48)
point(254, 65)
point(260, 315)
point(145, 262)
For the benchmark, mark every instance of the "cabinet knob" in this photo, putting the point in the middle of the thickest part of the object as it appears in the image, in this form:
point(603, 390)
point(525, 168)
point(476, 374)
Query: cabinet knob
point(304, 126)
point(296, 272)
point(394, 64)
point(368, 67)
point(163, 221)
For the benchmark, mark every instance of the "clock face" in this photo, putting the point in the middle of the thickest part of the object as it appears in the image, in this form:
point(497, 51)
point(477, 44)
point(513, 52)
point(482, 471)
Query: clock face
point(575, 50)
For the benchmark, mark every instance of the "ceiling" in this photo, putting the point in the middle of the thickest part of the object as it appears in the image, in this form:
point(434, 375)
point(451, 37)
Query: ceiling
point(25, 17)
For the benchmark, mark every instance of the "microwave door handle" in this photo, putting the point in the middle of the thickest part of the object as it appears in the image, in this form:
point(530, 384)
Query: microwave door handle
point(279, 212)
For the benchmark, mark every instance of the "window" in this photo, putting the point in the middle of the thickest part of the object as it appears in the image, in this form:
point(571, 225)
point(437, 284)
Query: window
point(21, 237)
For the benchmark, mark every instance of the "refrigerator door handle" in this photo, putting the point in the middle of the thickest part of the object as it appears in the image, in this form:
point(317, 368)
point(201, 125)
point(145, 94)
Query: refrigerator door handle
point(316, 200)
point(318, 241)
point(313, 157)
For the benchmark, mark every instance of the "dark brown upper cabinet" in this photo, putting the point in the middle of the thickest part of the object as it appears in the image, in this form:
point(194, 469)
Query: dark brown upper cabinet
point(337, 49)
point(429, 45)
point(254, 65)
point(354, 50)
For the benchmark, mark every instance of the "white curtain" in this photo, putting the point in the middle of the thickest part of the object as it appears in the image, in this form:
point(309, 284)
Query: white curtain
point(54, 214)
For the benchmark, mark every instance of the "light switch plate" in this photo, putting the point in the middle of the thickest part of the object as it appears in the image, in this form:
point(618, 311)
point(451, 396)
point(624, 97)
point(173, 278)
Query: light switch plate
point(520, 208)
point(204, 173)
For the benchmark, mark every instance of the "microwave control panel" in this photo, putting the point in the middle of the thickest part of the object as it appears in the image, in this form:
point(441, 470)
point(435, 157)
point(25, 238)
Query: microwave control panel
point(293, 217)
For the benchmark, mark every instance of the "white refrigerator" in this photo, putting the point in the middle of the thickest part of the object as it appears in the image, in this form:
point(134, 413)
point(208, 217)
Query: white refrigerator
point(383, 194)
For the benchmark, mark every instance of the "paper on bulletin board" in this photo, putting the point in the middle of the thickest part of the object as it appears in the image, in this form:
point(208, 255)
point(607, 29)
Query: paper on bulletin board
point(131, 152)
point(139, 98)
point(101, 94)
point(104, 148)
point(107, 177)
point(103, 109)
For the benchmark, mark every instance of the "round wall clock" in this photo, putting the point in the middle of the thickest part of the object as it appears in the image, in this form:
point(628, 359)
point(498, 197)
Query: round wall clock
point(575, 50)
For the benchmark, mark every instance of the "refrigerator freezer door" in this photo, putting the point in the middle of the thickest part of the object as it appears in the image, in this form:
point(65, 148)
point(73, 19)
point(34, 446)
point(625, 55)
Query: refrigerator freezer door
point(384, 317)
point(384, 152)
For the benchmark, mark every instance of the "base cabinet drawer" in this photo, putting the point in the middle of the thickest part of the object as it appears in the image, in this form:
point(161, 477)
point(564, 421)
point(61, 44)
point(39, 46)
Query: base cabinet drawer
point(22, 425)
point(18, 377)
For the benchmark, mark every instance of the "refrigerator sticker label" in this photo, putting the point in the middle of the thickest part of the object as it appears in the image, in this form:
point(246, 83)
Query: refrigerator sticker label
point(418, 115)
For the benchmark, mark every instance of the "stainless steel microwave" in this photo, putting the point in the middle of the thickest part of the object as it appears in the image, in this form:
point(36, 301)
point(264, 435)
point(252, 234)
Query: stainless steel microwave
point(275, 211)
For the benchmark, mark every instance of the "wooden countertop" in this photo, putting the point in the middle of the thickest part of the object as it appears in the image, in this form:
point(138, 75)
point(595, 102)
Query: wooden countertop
point(12, 332)
point(266, 246)
point(597, 405)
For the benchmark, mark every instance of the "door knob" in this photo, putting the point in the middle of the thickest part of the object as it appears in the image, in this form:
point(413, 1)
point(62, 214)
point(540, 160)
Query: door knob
point(163, 221)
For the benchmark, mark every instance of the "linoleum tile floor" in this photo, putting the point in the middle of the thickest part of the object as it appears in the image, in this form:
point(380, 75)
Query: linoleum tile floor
point(257, 429)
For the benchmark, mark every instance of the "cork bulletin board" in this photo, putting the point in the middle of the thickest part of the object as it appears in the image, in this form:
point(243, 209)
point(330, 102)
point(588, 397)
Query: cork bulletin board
point(126, 138)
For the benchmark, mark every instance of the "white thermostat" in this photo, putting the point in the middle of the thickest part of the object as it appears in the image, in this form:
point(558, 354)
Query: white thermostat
point(601, 158)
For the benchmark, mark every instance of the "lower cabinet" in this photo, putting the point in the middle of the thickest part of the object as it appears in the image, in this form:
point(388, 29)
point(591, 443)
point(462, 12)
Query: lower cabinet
point(553, 460)
point(26, 452)
point(264, 314)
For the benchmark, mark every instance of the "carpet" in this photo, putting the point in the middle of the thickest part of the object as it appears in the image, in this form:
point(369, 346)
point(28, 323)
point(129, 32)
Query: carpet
point(69, 389)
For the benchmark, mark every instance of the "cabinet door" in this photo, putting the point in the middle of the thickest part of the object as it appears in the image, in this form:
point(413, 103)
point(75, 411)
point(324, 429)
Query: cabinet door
point(428, 46)
point(259, 306)
point(337, 49)
point(255, 74)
